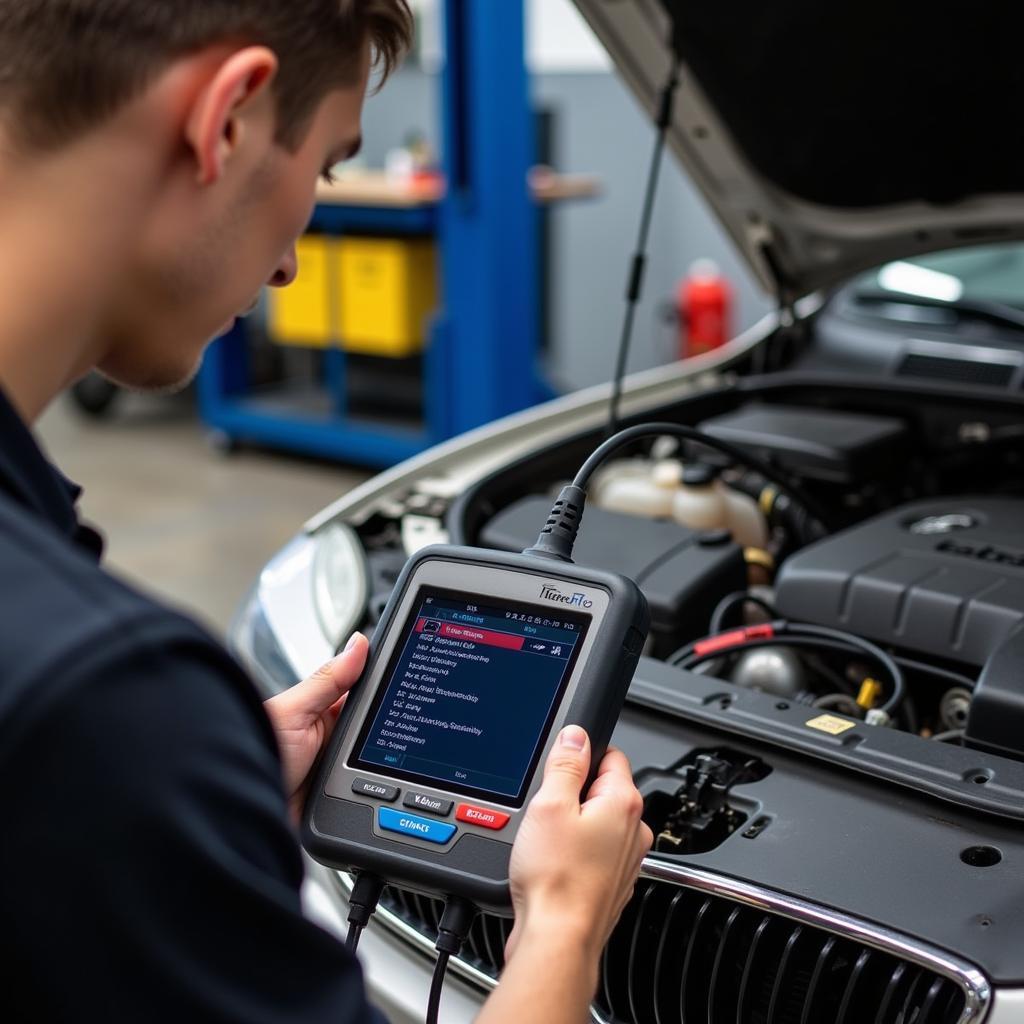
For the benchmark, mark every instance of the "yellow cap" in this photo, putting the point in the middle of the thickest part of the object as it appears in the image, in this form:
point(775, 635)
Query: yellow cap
point(870, 691)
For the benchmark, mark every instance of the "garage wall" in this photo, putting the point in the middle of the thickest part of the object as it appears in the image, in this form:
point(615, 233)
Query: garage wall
point(599, 129)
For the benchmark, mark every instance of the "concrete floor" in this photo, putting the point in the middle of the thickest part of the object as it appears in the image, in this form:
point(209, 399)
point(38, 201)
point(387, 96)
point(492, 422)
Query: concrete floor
point(182, 521)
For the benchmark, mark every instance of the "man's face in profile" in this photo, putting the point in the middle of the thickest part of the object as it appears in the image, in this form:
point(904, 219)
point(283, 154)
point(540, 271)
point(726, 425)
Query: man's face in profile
point(206, 262)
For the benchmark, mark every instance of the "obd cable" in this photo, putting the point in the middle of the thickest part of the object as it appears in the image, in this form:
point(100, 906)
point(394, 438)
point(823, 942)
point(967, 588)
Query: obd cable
point(456, 921)
point(452, 931)
point(558, 536)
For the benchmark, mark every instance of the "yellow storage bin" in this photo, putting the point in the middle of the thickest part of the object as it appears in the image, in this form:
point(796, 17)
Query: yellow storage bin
point(303, 313)
point(388, 289)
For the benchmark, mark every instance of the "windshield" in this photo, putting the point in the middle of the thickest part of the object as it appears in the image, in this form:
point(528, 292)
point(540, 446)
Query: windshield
point(982, 274)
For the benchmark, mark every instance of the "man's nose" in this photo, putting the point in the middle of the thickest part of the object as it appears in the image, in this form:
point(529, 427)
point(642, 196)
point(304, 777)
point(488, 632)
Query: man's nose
point(286, 271)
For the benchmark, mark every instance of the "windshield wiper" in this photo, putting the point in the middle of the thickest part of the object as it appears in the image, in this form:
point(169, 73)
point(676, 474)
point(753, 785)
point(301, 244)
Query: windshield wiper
point(1000, 313)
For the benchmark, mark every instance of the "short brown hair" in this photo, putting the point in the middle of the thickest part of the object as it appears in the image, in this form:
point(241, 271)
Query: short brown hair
point(65, 65)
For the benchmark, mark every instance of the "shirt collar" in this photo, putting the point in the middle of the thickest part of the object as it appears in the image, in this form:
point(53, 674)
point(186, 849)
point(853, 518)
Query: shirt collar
point(28, 478)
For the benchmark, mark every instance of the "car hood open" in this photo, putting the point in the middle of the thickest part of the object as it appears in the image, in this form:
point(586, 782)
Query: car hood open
point(833, 137)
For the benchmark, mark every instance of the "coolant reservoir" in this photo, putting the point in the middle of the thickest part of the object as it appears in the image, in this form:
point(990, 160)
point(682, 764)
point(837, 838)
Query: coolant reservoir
point(608, 477)
point(700, 502)
point(647, 493)
point(692, 495)
point(667, 474)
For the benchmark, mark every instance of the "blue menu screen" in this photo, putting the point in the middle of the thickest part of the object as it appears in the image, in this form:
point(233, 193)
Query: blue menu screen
point(470, 694)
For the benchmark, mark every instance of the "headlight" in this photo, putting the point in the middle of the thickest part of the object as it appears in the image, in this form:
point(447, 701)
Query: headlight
point(340, 587)
point(309, 598)
point(253, 643)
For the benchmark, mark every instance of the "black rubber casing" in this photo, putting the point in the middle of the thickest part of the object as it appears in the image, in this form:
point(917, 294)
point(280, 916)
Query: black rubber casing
point(339, 832)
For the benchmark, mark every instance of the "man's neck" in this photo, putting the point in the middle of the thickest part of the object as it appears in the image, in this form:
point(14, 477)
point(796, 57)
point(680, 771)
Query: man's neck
point(63, 229)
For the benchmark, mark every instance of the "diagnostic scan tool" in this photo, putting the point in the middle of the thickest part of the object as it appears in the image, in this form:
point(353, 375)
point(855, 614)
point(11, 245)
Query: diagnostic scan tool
point(480, 659)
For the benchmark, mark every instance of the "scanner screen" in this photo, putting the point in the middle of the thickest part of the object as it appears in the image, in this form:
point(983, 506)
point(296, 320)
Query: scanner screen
point(471, 693)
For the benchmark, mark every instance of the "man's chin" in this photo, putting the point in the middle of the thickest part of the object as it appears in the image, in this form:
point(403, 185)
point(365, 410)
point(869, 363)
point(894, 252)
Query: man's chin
point(163, 382)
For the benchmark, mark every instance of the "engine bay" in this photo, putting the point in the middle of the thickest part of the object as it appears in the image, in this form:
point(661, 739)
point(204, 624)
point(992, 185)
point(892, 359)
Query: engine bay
point(909, 560)
point(881, 586)
point(833, 673)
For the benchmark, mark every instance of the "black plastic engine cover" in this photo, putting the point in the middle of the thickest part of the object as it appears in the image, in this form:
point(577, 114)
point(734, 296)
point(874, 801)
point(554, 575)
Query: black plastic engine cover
point(819, 443)
point(996, 720)
point(944, 578)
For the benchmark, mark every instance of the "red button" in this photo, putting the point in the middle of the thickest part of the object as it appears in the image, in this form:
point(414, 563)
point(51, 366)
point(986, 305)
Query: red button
point(481, 816)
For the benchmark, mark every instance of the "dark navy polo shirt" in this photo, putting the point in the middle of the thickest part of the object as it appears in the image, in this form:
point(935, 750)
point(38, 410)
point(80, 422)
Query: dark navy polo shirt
point(148, 869)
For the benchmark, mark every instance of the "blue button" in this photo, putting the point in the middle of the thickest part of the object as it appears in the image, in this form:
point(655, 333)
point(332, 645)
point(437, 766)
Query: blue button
point(412, 825)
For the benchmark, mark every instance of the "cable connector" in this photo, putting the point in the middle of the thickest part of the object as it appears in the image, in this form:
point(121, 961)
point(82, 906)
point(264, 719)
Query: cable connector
point(361, 906)
point(452, 930)
point(454, 926)
point(558, 536)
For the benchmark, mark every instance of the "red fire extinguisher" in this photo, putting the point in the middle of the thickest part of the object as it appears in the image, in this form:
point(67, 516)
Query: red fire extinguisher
point(705, 307)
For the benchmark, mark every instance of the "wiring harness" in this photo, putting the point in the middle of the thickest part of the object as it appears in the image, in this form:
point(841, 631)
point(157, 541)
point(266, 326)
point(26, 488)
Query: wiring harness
point(780, 632)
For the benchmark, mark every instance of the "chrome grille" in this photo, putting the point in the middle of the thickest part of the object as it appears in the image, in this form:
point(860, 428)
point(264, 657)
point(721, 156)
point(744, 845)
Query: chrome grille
point(683, 955)
point(692, 946)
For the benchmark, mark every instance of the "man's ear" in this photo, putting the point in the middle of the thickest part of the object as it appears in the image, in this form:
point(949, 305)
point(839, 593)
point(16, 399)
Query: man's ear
point(217, 118)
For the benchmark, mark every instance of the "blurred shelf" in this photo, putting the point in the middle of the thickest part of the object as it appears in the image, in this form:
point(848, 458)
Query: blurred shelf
point(375, 189)
point(305, 420)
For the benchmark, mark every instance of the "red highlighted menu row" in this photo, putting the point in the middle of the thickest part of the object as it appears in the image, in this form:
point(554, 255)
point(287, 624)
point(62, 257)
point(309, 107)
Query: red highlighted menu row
point(454, 631)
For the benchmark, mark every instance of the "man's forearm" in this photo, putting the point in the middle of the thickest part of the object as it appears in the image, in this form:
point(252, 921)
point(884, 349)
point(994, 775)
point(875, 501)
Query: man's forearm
point(551, 978)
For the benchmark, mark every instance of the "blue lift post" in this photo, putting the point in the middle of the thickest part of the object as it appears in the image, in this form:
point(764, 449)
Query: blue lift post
point(481, 360)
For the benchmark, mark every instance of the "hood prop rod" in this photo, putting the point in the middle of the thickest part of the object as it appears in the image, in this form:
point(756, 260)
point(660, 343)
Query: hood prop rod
point(635, 286)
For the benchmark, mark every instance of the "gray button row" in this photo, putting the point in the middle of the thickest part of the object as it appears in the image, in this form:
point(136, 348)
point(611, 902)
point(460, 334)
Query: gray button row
point(422, 802)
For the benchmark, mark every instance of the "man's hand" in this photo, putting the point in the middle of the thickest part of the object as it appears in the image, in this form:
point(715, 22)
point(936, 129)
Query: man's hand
point(304, 716)
point(574, 865)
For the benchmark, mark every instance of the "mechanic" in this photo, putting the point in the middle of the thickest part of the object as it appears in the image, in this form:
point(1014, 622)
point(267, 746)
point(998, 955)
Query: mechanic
point(157, 161)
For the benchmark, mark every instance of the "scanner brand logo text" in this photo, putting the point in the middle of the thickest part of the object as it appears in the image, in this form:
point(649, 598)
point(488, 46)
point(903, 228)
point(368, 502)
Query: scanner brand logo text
point(549, 593)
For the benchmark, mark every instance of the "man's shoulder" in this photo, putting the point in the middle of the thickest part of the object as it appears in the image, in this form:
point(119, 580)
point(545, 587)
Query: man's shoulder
point(64, 618)
point(56, 597)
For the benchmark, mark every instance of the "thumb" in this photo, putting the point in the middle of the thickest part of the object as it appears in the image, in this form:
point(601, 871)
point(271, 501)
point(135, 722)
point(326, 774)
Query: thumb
point(332, 680)
point(567, 764)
